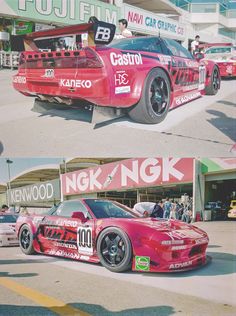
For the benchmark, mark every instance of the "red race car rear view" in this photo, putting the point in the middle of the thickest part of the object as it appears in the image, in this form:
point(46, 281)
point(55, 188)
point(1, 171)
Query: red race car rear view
point(104, 231)
point(142, 76)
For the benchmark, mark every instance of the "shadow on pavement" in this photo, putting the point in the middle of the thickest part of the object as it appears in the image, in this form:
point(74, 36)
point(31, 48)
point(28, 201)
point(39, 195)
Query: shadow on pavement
point(24, 261)
point(18, 310)
point(227, 103)
point(17, 275)
point(223, 123)
point(214, 246)
point(93, 309)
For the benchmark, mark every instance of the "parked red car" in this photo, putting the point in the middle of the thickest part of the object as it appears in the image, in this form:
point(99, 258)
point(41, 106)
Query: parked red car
point(142, 76)
point(105, 231)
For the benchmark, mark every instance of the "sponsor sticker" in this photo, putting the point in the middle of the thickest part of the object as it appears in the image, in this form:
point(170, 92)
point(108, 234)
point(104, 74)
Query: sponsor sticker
point(19, 79)
point(75, 83)
point(103, 34)
point(62, 253)
point(120, 90)
point(65, 245)
point(180, 265)
point(187, 98)
point(142, 263)
point(49, 73)
point(121, 78)
point(126, 59)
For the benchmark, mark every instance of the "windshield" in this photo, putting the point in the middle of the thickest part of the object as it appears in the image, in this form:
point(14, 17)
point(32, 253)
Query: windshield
point(108, 209)
point(8, 218)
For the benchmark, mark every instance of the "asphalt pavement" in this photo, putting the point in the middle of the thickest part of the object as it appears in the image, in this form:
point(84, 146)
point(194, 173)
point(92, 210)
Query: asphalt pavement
point(40, 285)
point(204, 127)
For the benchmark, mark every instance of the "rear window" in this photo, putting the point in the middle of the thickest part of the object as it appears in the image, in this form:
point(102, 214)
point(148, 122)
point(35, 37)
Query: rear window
point(8, 218)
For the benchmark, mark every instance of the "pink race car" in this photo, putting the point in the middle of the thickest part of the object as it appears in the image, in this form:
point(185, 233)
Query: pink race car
point(105, 231)
point(142, 76)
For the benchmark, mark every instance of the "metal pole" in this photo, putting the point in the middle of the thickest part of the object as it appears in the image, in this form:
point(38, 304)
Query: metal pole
point(8, 161)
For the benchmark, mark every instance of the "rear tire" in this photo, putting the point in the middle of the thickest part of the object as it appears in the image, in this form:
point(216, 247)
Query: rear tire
point(114, 250)
point(214, 85)
point(154, 104)
point(26, 240)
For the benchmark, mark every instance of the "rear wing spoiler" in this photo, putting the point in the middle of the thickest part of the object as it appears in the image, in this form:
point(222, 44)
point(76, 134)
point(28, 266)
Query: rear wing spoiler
point(98, 33)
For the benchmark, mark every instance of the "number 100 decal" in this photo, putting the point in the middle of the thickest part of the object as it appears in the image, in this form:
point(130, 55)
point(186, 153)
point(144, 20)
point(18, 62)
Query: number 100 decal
point(84, 240)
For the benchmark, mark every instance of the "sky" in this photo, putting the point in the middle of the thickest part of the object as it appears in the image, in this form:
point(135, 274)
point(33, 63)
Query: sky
point(21, 164)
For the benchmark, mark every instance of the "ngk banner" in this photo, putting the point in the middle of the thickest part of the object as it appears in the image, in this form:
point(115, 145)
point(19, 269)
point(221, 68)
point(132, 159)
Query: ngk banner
point(128, 174)
point(39, 192)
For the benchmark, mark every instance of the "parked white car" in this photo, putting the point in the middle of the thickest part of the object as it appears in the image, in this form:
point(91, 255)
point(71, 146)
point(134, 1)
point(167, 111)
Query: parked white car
point(8, 235)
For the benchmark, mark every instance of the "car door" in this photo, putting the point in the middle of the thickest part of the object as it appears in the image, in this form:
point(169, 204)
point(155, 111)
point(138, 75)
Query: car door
point(187, 74)
point(67, 236)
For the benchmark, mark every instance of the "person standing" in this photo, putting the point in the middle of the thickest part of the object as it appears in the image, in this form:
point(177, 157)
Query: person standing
point(167, 208)
point(124, 32)
point(195, 45)
point(158, 210)
point(173, 210)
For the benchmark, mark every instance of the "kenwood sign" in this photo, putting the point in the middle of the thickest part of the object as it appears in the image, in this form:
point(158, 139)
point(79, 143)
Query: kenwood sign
point(39, 192)
point(127, 174)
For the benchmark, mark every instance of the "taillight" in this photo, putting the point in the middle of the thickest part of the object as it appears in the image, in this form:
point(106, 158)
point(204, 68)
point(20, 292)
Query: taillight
point(22, 59)
point(89, 59)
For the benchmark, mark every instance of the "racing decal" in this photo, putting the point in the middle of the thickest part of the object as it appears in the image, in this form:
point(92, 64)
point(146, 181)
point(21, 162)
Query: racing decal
point(62, 253)
point(65, 245)
point(201, 241)
point(19, 79)
point(66, 222)
point(142, 263)
point(120, 90)
point(180, 265)
point(179, 234)
point(36, 220)
point(84, 240)
point(49, 73)
point(121, 82)
point(187, 98)
point(202, 77)
point(186, 76)
point(165, 60)
point(103, 34)
point(75, 83)
point(86, 258)
point(229, 69)
point(126, 59)
point(121, 78)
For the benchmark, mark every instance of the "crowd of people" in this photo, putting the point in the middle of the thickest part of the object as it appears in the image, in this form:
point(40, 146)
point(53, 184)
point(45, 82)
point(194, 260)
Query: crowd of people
point(168, 209)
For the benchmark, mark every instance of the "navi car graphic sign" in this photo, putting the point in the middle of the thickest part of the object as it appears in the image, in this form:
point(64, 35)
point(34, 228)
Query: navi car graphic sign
point(151, 23)
point(142, 263)
point(44, 191)
point(130, 173)
point(62, 11)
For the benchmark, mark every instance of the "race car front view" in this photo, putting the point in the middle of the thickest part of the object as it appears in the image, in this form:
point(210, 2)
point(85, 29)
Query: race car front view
point(142, 76)
point(108, 232)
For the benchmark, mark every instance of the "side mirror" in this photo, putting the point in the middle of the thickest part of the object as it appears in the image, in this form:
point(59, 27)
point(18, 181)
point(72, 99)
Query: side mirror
point(79, 215)
point(199, 56)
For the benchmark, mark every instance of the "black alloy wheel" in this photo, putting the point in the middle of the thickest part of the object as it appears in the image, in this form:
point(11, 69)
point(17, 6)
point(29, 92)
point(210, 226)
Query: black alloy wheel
point(155, 100)
point(26, 240)
point(114, 250)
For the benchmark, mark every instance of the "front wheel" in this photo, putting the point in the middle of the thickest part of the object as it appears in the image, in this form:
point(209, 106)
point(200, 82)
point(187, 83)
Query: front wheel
point(154, 104)
point(114, 250)
point(26, 240)
point(214, 84)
